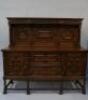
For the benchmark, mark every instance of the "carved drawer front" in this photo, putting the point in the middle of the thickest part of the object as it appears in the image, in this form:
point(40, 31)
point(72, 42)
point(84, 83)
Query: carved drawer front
point(16, 63)
point(45, 65)
point(75, 64)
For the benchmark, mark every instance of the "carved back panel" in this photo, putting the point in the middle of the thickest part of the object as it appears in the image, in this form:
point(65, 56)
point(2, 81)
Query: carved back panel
point(40, 33)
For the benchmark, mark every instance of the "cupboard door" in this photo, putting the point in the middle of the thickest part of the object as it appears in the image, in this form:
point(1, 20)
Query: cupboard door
point(16, 64)
point(75, 64)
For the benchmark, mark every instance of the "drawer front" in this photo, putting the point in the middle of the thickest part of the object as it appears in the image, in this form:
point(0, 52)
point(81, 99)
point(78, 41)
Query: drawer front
point(46, 65)
point(75, 64)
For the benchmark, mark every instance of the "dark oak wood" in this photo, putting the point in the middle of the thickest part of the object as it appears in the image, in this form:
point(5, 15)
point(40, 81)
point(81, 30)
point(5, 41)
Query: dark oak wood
point(44, 49)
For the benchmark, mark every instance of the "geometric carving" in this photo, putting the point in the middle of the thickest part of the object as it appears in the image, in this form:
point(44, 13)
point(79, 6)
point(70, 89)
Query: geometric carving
point(44, 36)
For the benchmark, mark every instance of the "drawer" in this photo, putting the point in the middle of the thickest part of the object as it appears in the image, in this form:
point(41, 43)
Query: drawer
point(49, 60)
point(45, 65)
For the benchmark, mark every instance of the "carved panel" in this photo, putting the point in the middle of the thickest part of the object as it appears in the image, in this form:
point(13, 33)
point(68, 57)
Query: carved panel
point(68, 33)
point(45, 36)
point(16, 64)
point(22, 35)
point(75, 64)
